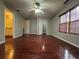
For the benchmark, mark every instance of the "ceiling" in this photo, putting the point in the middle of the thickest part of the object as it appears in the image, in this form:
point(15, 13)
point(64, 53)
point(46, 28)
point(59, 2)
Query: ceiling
point(49, 7)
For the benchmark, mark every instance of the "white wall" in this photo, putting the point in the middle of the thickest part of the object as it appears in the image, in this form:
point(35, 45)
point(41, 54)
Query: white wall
point(2, 37)
point(18, 21)
point(40, 23)
point(35, 26)
point(18, 25)
point(54, 26)
point(18, 29)
point(27, 26)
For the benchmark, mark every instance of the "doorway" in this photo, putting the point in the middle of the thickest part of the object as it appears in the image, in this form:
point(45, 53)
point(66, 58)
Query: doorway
point(9, 26)
point(8, 23)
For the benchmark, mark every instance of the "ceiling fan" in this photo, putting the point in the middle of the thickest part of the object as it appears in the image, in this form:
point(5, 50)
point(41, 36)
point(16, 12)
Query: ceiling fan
point(37, 8)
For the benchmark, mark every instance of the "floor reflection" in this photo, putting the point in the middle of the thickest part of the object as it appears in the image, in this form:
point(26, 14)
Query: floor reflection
point(9, 51)
point(43, 47)
point(68, 55)
point(10, 56)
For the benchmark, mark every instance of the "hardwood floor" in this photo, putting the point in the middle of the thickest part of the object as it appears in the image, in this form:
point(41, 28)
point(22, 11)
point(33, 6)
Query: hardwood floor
point(2, 51)
point(8, 48)
point(39, 47)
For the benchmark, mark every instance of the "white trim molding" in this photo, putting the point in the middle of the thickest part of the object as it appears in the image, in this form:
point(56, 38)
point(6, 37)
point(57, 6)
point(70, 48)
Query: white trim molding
point(66, 41)
point(17, 36)
point(2, 42)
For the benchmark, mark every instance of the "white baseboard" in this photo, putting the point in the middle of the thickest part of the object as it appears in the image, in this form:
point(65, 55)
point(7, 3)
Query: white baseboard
point(66, 41)
point(17, 36)
point(38, 34)
point(2, 42)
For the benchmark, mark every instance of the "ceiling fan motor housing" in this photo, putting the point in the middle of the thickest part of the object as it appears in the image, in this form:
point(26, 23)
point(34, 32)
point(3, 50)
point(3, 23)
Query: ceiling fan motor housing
point(37, 3)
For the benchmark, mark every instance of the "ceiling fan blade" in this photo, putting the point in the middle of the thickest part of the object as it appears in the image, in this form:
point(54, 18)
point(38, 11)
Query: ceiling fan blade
point(31, 10)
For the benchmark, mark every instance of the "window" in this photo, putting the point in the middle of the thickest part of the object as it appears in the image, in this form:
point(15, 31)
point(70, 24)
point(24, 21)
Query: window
point(64, 19)
point(69, 22)
point(74, 21)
